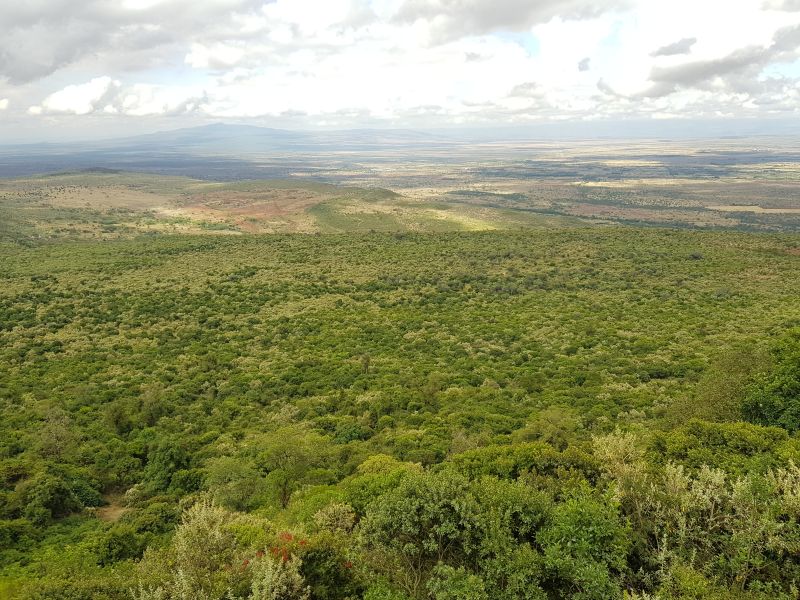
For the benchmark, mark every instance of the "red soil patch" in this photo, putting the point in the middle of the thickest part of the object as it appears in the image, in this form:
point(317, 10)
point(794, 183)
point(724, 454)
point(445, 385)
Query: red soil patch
point(259, 205)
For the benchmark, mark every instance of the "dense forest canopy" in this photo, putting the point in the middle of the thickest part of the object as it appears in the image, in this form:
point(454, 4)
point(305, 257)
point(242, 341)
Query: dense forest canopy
point(572, 413)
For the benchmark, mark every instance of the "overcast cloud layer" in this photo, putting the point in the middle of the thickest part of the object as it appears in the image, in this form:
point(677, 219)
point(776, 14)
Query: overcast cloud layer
point(101, 65)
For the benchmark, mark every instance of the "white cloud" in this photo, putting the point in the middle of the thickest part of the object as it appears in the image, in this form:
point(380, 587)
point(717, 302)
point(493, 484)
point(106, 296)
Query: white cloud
point(140, 4)
point(451, 19)
point(217, 56)
point(434, 61)
point(80, 99)
point(4, 103)
point(104, 95)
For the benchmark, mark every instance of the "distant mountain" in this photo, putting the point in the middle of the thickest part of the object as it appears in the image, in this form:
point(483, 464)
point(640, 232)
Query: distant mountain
point(219, 151)
point(238, 140)
point(228, 152)
point(218, 136)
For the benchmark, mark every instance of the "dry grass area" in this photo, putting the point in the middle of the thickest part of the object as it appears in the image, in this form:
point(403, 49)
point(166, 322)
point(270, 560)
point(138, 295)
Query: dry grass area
point(253, 211)
point(481, 187)
point(92, 205)
point(105, 197)
point(755, 209)
point(260, 204)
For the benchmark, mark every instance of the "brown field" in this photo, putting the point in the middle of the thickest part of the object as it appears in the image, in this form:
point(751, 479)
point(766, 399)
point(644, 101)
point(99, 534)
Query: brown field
point(730, 184)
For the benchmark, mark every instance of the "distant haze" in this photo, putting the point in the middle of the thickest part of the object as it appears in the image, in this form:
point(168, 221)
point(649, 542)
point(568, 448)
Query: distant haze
point(237, 151)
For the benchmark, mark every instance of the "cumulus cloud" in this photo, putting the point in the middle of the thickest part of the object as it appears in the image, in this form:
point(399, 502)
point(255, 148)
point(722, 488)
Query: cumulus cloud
point(399, 62)
point(79, 99)
point(785, 5)
point(217, 56)
point(683, 46)
point(529, 89)
point(742, 64)
point(606, 89)
point(108, 96)
point(42, 36)
point(451, 19)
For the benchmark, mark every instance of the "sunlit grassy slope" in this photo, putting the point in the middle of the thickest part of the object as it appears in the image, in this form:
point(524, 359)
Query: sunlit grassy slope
point(108, 205)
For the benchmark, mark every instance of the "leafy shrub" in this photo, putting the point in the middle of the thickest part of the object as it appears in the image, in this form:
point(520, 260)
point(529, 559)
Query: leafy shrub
point(119, 542)
point(774, 396)
point(276, 579)
point(45, 497)
point(336, 517)
point(585, 548)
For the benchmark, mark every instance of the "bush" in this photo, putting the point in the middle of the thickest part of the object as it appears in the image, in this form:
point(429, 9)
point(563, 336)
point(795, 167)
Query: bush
point(585, 548)
point(15, 531)
point(774, 396)
point(448, 583)
point(45, 497)
point(276, 579)
point(119, 542)
point(156, 518)
point(336, 517)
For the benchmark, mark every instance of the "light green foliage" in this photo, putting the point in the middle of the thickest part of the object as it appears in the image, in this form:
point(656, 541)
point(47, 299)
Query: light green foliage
point(382, 591)
point(236, 483)
point(722, 387)
point(198, 562)
point(122, 541)
point(290, 457)
point(440, 519)
point(274, 579)
point(376, 475)
point(516, 431)
point(427, 519)
point(738, 527)
point(555, 425)
point(448, 583)
point(336, 517)
point(46, 496)
point(736, 447)
point(506, 556)
point(218, 554)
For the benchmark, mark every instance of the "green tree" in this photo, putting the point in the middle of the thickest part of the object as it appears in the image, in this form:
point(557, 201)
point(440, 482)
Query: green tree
point(585, 548)
point(774, 396)
point(290, 457)
point(428, 519)
point(448, 583)
point(235, 483)
point(46, 497)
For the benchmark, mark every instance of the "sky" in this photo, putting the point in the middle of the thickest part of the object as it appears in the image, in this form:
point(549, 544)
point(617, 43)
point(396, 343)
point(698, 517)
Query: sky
point(98, 68)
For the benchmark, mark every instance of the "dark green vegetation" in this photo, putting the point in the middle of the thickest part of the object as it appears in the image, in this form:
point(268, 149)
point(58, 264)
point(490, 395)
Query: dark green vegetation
point(578, 413)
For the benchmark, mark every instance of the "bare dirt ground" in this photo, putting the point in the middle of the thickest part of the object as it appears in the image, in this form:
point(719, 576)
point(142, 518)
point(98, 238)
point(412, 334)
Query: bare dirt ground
point(113, 510)
point(257, 204)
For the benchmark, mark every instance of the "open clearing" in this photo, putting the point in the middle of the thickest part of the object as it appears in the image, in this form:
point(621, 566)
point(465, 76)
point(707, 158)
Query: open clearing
point(756, 209)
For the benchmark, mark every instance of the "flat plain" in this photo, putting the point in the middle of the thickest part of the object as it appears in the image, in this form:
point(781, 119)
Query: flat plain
point(734, 184)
